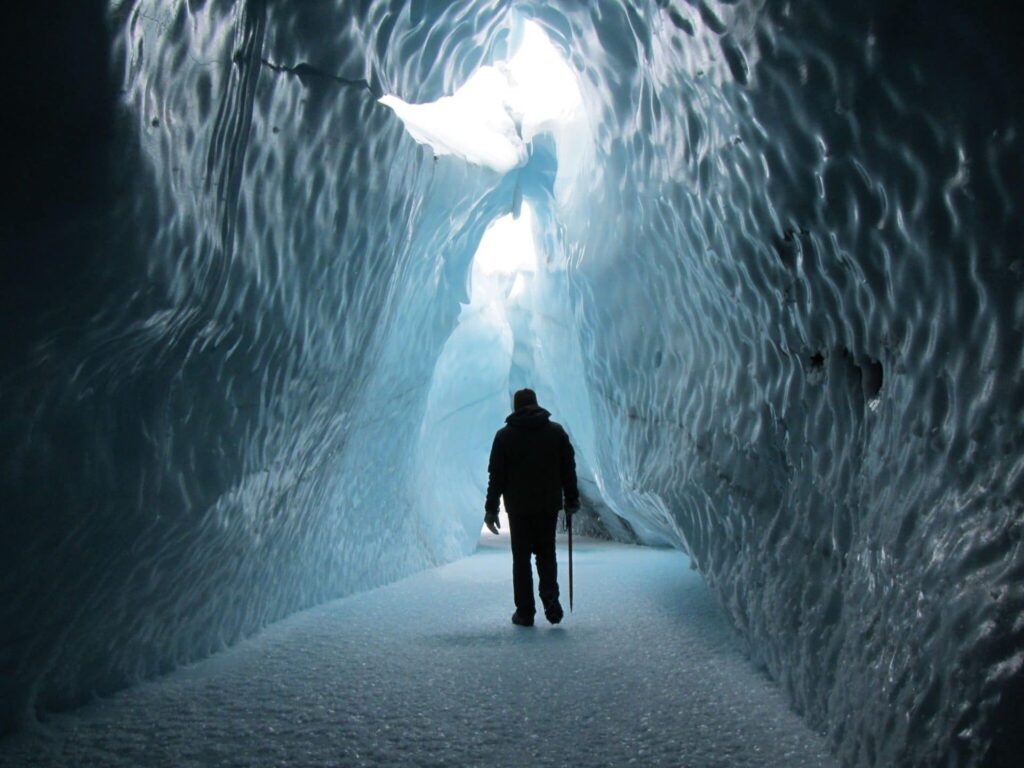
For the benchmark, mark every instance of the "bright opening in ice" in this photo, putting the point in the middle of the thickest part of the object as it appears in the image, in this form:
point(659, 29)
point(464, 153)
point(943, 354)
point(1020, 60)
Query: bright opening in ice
point(543, 91)
point(493, 117)
point(508, 245)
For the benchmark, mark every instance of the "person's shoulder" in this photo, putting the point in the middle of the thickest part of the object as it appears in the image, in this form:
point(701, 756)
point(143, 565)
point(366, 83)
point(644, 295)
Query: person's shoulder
point(500, 442)
point(557, 428)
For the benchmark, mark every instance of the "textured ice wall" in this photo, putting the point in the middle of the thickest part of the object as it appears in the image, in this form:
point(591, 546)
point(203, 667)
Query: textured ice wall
point(799, 291)
point(210, 405)
point(783, 320)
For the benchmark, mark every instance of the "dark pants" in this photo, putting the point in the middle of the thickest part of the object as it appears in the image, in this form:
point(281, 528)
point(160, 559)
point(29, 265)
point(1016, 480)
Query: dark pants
point(533, 534)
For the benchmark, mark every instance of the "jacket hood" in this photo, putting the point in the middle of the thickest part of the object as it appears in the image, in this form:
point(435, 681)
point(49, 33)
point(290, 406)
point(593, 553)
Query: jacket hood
point(528, 417)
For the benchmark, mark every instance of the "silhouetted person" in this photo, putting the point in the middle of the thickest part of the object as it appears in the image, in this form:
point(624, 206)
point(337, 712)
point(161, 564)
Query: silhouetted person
point(532, 465)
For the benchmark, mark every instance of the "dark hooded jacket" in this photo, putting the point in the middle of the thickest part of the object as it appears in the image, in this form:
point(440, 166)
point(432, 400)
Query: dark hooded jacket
point(532, 465)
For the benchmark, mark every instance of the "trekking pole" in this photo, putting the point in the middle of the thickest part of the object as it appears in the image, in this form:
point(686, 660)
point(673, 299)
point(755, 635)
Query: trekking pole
point(568, 527)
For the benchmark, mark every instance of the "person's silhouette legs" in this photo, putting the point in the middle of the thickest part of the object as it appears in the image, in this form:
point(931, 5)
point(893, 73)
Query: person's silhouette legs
point(522, 573)
point(547, 565)
point(534, 535)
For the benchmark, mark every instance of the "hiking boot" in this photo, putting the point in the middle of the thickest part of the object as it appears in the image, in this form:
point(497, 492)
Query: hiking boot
point(522, 620)
point(553, 611)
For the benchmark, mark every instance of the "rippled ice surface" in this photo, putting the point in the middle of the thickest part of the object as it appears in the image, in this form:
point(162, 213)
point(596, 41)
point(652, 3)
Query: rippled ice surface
point(777, 305)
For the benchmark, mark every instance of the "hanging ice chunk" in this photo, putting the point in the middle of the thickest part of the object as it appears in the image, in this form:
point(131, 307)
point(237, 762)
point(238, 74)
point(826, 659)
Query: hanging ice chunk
point(474, 123)
point(493, 117)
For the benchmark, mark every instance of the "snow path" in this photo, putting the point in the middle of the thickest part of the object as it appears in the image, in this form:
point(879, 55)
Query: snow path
point(430, 672)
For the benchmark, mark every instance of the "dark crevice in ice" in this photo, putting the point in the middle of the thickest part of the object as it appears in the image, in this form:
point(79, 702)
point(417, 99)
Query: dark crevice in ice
point(233, 123)
point(305, 71)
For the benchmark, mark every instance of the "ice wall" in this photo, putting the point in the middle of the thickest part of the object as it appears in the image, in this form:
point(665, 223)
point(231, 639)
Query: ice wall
point(778, 305)
point(214, 393)
point(819, 374)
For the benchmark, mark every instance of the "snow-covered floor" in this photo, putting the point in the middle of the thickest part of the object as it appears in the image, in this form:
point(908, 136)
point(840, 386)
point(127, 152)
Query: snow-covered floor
point(430, 672)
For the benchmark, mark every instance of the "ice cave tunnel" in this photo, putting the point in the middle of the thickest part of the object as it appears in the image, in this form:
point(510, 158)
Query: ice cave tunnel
point(272, 270)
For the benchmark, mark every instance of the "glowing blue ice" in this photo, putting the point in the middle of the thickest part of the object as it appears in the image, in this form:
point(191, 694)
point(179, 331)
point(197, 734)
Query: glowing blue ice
point(776, 300)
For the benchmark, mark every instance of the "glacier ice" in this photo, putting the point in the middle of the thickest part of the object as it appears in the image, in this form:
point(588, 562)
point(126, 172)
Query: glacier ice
point(474, 123)
point(776, 302)
point(491, 119)
point(397, 675)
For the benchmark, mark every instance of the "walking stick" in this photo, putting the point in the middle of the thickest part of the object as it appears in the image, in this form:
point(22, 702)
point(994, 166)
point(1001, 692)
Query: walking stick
point(568, 527)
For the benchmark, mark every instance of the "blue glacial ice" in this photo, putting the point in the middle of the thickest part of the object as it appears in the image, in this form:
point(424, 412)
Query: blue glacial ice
point(261, 329)
point(401, 675)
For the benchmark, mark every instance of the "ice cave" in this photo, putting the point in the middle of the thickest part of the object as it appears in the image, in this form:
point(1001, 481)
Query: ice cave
point(272, 271)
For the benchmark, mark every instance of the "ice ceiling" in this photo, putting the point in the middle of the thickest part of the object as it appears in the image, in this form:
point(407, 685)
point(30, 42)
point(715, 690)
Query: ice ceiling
point(762, 259)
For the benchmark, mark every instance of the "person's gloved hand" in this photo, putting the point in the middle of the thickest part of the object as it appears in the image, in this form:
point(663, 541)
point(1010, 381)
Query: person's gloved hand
point(571, 509)
point(492, 522)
